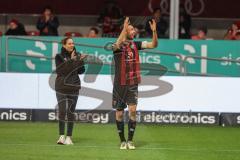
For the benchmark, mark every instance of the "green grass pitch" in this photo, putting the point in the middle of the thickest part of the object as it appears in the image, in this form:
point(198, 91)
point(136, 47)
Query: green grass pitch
point(29, 141)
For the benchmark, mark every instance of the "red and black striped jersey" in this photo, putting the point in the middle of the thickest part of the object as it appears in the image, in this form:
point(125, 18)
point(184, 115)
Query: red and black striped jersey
point(127, 63)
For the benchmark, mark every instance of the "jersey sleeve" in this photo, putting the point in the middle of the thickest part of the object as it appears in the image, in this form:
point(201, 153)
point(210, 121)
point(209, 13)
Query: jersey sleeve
point(139, 45)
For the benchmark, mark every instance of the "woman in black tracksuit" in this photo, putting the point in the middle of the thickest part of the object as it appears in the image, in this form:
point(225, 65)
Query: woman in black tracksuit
point(69, 64)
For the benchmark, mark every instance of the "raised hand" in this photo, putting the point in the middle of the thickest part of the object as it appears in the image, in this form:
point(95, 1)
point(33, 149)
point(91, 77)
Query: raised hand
point(153, 25)
point(126, 23)
point(123, 35)
point(83, 56)
point(73, 55)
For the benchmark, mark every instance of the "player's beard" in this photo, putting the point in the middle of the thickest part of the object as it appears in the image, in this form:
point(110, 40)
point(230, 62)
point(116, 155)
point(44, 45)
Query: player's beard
point(130, 37)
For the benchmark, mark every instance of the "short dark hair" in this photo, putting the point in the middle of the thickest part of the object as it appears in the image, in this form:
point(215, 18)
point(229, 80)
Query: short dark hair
point(94, 29)
point(47, 8)
point(156, 9)
point(64, 40)
point(203, 29)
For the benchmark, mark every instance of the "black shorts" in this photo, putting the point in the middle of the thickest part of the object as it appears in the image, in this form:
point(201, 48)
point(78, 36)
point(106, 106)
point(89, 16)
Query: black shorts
point(124, 95)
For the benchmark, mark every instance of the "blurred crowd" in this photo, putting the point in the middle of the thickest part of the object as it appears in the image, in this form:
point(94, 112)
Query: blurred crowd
point(110, 22)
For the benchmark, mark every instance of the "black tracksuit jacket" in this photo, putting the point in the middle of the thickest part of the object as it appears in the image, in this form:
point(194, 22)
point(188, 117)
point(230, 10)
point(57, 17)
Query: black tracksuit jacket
point(67, 69)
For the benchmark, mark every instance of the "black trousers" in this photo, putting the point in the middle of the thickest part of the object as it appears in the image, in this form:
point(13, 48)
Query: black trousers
point(66, 106)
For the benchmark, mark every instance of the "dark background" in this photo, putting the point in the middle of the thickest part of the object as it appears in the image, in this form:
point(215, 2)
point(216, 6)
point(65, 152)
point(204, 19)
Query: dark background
point(213, 8)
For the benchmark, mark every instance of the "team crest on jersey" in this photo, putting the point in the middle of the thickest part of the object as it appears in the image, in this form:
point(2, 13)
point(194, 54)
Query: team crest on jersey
point(130, 55)
point(132, 46)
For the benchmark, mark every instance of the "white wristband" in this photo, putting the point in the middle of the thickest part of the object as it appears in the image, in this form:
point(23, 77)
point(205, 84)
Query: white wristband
point(144, 44)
